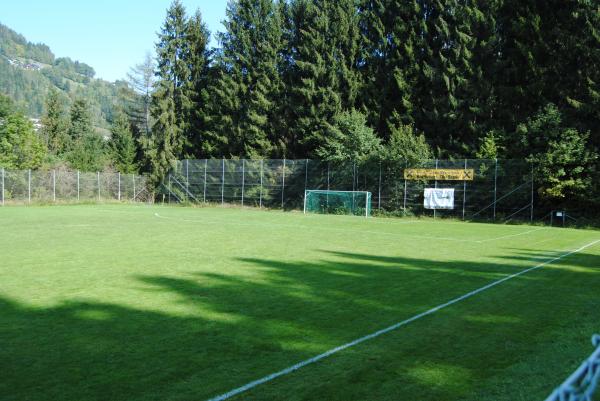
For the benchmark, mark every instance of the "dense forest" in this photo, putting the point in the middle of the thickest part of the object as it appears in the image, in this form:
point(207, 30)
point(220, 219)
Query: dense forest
point(362, 80)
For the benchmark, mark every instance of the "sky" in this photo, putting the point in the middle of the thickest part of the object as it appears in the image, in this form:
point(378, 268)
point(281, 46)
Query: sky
point(109, 35)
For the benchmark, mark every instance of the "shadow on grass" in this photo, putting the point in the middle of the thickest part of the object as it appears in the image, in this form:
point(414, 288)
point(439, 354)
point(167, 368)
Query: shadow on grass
point(249, 328)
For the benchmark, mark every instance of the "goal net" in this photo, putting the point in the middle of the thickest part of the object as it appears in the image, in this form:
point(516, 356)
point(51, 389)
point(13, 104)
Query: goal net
point(356, 203)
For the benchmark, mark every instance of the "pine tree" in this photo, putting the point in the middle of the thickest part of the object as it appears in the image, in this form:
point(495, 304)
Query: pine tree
point(81, 120)
point(247, 92)
point(390, 44)
point(323, 79)
point(446, 69)
point(198, 57)
point(169, 100)
point(87, 148)
point(122, 145)
point(55, 125)
point(141, 81)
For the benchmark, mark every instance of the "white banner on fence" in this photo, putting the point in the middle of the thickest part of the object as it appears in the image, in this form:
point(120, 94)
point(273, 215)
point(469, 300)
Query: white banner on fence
point(439, 198)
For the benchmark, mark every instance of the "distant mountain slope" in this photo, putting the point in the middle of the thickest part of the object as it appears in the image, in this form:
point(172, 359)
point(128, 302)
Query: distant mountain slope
point(28, 70)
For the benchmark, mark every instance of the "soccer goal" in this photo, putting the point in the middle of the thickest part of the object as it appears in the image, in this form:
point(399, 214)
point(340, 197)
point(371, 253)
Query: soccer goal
point(356, 203)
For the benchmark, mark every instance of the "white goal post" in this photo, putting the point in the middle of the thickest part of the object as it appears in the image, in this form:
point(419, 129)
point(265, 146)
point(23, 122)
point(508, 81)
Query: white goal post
point(356, 203)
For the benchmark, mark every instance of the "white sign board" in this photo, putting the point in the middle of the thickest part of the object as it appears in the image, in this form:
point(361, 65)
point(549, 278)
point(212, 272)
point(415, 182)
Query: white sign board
point(439, 198)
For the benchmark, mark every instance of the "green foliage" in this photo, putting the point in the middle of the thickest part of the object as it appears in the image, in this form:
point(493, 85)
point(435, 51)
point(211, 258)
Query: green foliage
point(122, 145)
point(87, 147)
point(489, 146)
point(20, 147)
point(405, 145)
point(561, 155)
point(248, 85)
point(55, 125)
point(349, 138)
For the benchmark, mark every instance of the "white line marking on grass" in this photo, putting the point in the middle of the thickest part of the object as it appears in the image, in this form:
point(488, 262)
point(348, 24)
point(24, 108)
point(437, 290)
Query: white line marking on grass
point(511, 235)
point(431, 311)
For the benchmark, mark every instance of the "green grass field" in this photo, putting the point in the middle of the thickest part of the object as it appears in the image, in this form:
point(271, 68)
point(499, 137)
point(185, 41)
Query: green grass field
point(116, 302)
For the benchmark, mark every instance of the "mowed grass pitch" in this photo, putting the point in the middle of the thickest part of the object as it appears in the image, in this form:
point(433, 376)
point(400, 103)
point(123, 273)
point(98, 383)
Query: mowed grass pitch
point(114, 303)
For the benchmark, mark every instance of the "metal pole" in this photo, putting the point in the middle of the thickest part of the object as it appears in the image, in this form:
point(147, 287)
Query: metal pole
point(77, 185)
point(187, 177)
point(327, 197)
point(379, 191)
point(495, 187)
point(54, 185)
point(223, 183)
point(98, 174)
point(435, 186)
point(29, 185)
point(531, 213)
point(305, 201)
point(3, 186)
point(133, 180)
point(305, 176)
point(119, 177)
point(261, 184)
point(170, 187)
point(464, 192)
point(205, 168)
point(283, 184)
point(405, 189)
point(243, 178)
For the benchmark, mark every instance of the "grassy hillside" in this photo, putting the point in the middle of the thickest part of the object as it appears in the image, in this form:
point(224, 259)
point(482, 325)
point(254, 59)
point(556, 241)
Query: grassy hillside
point(29, 70)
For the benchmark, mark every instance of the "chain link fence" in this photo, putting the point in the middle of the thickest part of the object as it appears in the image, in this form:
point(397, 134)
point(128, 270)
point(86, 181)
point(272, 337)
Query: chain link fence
point(49, 186)
point(498, 189)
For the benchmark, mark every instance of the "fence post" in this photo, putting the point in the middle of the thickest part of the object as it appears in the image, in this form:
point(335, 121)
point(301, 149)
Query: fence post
point(54, 185)
point(133, 180)
point(464, 193)
point(29, 185)
point(119, 195)
point(328, 168)
point(531, 213)
point(187, 177)
point(170, 187)
point(405, 187)
point(261, 184)
point(435, 186)
point(243, 178)
point(223, 183)
point(283, 183)
point(495, 187)
point(305, 174)
point(205, 168)
point(78, 186)
point(379, 190)
point(98, 175)
point(2, 186)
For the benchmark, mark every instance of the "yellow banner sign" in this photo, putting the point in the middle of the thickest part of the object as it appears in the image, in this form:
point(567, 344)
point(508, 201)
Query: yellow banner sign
point(439, 174)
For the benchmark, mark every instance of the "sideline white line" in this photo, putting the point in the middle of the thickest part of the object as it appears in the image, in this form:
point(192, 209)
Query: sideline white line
point(431, 311)
point(511, 235)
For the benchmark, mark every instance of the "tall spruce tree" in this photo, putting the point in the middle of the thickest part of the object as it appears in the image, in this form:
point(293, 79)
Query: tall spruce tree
point(198, 57)
point(323, 79)
point(445, 63)
point(55, 124)
point(122, 145)
point(391, 41)
point(170, 99)
point(247, 91)
point(87, 148)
